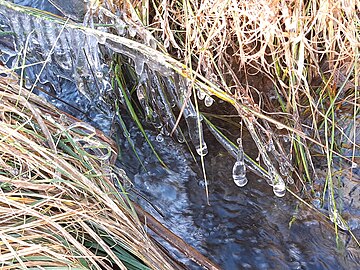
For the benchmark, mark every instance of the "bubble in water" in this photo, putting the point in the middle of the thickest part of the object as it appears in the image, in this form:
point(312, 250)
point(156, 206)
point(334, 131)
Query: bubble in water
point(201, 94)
point(279, 189)
point(354, 165)
point(208, 101)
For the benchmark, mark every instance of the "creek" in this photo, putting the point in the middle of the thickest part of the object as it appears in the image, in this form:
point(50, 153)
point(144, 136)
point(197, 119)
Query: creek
point(238, 228)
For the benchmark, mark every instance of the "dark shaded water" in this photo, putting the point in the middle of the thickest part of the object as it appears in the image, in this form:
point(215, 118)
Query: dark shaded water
point(247, 228)
point(240, 228)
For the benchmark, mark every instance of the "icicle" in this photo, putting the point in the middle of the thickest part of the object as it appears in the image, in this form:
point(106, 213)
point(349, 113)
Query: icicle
point(233, 152)
point(275, 180)
point(270, 146)
point(279, 187)
point(239, 169)
point(139, 65)
point(196, 134)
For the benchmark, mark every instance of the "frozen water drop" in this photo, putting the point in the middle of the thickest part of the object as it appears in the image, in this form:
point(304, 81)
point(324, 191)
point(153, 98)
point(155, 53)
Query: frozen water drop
point(196, 134)
point(201, 94)
point(132, 31)
point(354, 165)
point(284, 170)
point(101, 38)
point(208, 101)
point(99, 74)
point(290, 180)
point(239, 174)
point(239, 141)
point(180, 138)
point(159, 138)
point(239, 169)
point(202, 149)
point(172, 103)
point(279, 189)
point(240, 182)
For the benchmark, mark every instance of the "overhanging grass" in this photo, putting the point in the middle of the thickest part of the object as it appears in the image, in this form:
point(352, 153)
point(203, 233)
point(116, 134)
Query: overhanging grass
point(59, 207)
point(307, 50)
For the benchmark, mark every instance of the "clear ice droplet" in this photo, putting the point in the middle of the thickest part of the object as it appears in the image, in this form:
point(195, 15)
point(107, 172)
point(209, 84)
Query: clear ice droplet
point(239, 169)
point(239, 174)
point(159, 138)
point(208, 101)
point(290, 180)
point(202, 150)
point(279, 189)
point(201, 94)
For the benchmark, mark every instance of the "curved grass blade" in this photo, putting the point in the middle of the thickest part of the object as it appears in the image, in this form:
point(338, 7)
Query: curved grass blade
point(134, 115)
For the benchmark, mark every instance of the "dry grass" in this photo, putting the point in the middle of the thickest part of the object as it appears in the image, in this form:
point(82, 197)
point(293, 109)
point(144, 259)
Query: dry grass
point(58, 203)
point(305, 56)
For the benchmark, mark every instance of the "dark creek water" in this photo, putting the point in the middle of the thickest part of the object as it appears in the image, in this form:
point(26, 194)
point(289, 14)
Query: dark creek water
point(240, 228)
point(247, 228)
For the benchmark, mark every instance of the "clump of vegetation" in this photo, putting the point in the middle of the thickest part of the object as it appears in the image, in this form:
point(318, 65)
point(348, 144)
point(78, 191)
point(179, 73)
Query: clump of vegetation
point(288, 70)
point(59, 206)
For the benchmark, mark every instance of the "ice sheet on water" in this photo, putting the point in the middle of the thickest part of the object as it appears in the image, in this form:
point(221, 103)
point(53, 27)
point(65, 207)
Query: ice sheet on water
point(74, 53)
point(44, 43)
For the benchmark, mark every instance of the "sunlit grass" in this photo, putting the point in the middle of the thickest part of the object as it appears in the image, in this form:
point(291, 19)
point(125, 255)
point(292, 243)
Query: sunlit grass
point(309, 51)
point(58, 202)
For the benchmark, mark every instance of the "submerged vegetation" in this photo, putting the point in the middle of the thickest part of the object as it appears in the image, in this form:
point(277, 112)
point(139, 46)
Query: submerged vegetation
point(285, 72)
